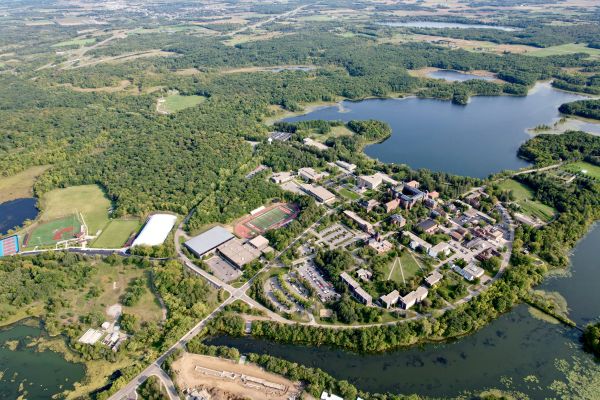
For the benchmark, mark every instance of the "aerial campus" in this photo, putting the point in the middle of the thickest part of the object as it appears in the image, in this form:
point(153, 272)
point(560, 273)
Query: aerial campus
point(299, 199)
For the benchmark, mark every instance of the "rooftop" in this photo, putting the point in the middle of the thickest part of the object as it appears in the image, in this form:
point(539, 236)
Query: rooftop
point(238, 252)
point(156, 230)
point(209, 240)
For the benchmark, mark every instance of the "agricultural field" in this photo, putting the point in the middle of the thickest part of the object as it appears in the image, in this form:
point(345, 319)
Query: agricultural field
point(176, 102)
point(583, 168)
point(570, 48)
point(89, 200)
point(116, 233)
point(523, 196)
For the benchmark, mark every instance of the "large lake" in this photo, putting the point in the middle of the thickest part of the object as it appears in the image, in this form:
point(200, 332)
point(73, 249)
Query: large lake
point(13, 213)
point(23, 370)
point(476, 140)
point(514, 352)
point(445, 25)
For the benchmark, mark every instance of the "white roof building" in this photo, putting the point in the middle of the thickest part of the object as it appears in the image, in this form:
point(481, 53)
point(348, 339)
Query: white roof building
point(330, 396)
point(156, 230)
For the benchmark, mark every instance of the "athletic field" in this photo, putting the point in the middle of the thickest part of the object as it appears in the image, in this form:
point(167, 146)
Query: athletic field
point(274, 217)
point(52, 232)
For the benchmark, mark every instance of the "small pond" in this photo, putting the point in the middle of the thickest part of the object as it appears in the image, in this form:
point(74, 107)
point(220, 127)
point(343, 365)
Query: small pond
point(14, 212)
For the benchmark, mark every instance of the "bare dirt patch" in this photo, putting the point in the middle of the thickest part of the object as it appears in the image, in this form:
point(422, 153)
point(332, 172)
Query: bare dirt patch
point(233, 379)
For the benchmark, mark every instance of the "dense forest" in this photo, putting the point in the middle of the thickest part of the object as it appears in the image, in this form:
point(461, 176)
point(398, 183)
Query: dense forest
point(582, 108)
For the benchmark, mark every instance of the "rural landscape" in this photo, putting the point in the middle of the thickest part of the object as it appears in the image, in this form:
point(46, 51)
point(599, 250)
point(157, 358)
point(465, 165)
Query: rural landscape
point(299, 199)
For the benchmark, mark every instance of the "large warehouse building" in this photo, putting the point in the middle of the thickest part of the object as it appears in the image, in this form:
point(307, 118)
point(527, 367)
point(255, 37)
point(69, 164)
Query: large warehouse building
point(208, 241)
point(156, 230)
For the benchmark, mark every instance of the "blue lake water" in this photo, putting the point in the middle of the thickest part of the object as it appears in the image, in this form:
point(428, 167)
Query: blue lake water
point(476, 140)
point(451, 25)
point(13, 213)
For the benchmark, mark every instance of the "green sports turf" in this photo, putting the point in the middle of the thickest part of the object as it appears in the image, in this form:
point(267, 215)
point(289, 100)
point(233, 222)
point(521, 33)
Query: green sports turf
point(45, 233)
point(268, 219)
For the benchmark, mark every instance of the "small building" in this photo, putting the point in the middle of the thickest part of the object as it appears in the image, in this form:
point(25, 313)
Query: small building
point(389, 300)
point(433, 195)
point(413, 184)
point(320, 193)
point(428, 226)
point(238, 253)
point(364, 274)
point(346, 166)
point(414, 297)
point(208, 241)
point(371, 182)
point(380, 245)
point(474, 271)
point(398, 220)
point(440, 248)
point(282, 177)
point(433, 278)
point(416, 242)
point(156, 230)
point(259, 243)
point(313, 143)
point(392, 205)
point(311, 175)
point(330, 396)
point(368, 205)
point(359, 293)
point(362, 224)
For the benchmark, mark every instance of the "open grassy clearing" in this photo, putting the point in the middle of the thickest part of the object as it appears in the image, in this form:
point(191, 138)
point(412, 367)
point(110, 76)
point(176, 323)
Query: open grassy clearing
point(75, 42)
point(115, 234)
point(20, 185)
point(350, 195)
point(112, 282)
point(570, 48)
point(177, 102)
point(581, 166)
point(88, 200)
point(523, 196)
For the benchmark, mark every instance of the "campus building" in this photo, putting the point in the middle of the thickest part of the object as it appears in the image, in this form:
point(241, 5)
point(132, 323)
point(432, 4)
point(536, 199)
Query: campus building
point(156, 230)
point(208, 241)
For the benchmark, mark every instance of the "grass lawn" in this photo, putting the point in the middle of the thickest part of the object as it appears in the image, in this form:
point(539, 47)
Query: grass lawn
point(89, 200)
point(524, 198)
point(75, 42)
point(20, 185)
point(578, 168)
point(402, 269)
point(112, 282)
point(349, 194)
point(116, 233)
point(569, 48)
point(177, 102)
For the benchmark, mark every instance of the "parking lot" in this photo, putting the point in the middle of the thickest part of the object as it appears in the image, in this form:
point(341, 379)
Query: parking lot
point(323, 288)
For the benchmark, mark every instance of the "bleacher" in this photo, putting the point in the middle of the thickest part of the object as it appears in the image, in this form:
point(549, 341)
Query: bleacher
point(9, 246)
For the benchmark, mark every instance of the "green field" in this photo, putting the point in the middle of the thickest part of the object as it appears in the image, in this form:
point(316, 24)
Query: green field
point(116, 233)
point(88, 200)
point(49, 233)
point(350, 195)
point(570, 48)
point(402, 268)
point(591, 170)
point(523, 196)
point(177, 102)
point(75, 42)
point(268, 219)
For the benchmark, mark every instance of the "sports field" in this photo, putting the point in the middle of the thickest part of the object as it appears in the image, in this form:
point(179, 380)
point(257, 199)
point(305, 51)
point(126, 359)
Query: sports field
point(52, 232)
point(116, 233)
point(272, 218)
